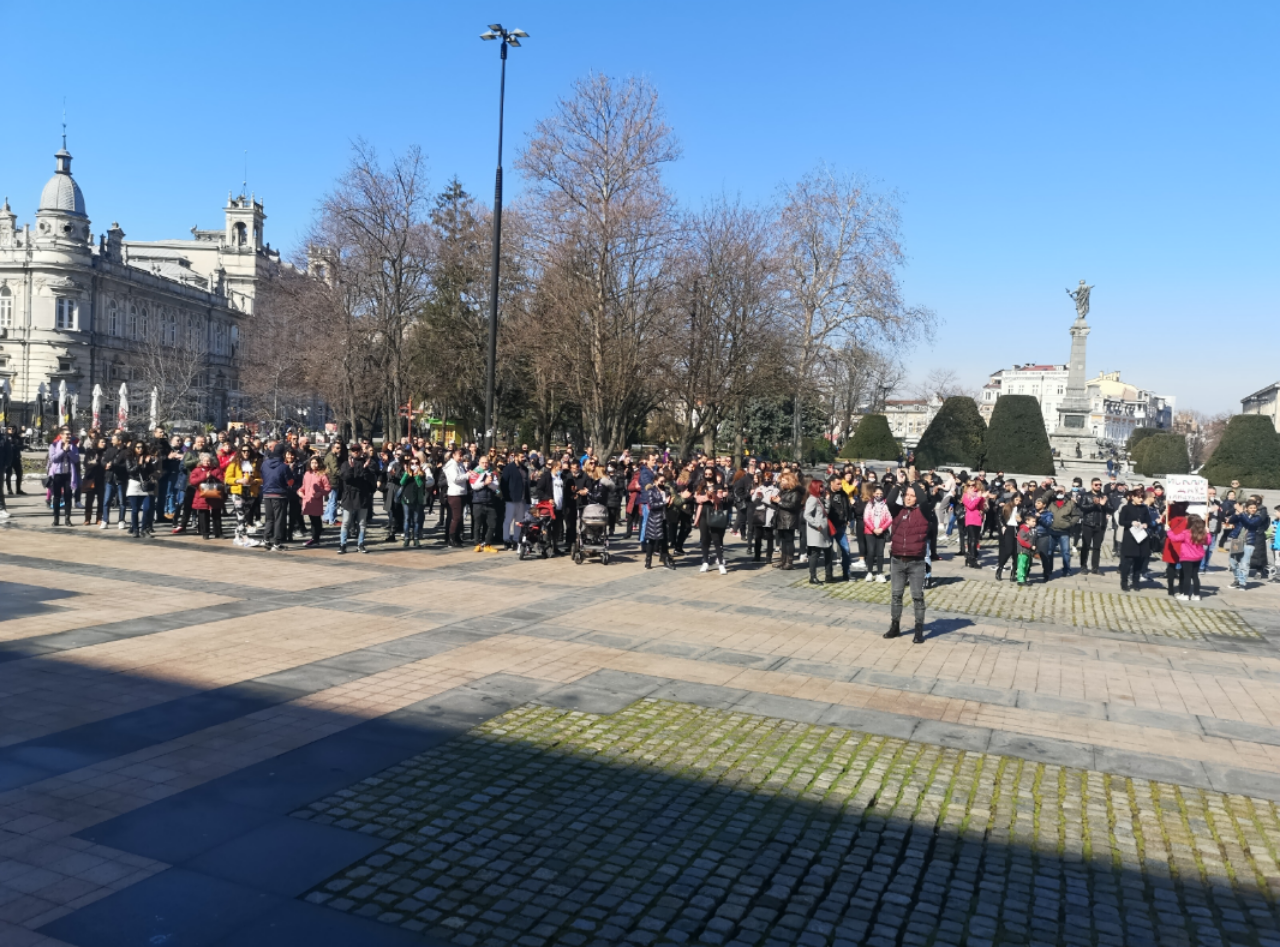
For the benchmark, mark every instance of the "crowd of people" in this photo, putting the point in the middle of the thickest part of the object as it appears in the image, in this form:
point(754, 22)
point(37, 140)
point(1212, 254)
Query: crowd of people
point(871, 526)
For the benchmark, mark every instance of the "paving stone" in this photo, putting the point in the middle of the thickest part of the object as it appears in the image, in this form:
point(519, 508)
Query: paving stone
point(798, 799)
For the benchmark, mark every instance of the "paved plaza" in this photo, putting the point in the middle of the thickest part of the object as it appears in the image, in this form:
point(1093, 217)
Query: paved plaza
point(203, 745)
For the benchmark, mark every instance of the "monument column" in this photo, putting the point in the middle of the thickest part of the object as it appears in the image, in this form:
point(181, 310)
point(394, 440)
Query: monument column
point(1073, 413)
point(1072, 439)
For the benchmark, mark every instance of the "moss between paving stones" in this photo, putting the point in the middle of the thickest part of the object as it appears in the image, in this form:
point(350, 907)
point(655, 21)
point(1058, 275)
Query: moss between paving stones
point(1112, 611)
point(672, 823)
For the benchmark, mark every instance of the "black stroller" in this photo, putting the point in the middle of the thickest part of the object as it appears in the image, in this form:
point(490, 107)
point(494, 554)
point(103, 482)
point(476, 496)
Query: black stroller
point(535, 531)
point(593, 534)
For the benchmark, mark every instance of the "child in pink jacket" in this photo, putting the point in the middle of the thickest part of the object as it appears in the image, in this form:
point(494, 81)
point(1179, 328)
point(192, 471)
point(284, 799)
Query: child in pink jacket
point(1189, 543)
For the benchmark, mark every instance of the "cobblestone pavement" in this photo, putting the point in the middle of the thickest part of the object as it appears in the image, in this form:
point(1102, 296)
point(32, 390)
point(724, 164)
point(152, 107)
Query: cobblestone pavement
point(1112, 610)
point(201, 745)
point(667, 823)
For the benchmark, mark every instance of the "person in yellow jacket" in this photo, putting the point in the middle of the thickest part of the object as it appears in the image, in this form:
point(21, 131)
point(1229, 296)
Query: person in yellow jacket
point(243, 474)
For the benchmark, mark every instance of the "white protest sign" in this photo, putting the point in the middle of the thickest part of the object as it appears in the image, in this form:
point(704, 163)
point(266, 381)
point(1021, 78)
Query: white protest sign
point(1186, 489)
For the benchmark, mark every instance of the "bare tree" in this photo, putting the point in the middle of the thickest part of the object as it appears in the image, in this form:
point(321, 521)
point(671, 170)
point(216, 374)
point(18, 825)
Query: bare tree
point(173, 356)
point(841, 253)
point(857, 380)
point(604, 221)
point(1203, 432)
point(375, 225)
point(945, 383)
point(281, 343)
point(726, 339)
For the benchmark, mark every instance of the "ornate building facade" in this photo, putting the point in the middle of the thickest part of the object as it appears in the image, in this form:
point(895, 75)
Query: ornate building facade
point(167, 314)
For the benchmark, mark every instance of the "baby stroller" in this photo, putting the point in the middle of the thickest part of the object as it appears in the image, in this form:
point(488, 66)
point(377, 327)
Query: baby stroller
point(535, 530)
point(593, 534)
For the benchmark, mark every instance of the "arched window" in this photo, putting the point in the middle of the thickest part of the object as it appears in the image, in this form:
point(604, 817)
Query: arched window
point(171, 329)
point(240, 235)
point(6, 307)
point(219, 338)
point(145, 325)
point(235, 340)
point(132, 327)
point(113, 318)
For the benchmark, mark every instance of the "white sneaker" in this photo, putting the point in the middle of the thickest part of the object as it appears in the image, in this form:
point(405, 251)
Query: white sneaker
point(4, 514)
point(1181, 598)
point(881, 579)
point(122, 526)
point(102, 525)
point(723, 570)
point(1195, 598)
point(252, 543)
point(705, 567)
point(869, 578)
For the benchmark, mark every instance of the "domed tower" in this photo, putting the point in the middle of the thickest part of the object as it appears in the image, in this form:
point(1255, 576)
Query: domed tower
point(60, 219)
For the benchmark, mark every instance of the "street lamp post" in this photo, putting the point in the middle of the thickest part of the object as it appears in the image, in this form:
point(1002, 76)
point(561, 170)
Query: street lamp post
point(508, 38)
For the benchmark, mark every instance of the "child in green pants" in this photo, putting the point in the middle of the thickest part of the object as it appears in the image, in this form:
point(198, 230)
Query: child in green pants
point(1026, 547)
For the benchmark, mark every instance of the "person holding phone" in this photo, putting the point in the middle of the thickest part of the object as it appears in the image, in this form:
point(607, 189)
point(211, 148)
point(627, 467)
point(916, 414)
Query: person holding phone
point(63, 469)
point(485, 504)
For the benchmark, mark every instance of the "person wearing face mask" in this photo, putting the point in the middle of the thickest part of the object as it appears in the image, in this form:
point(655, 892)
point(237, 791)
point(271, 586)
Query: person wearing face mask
point(1066, 515)
point(876, 520)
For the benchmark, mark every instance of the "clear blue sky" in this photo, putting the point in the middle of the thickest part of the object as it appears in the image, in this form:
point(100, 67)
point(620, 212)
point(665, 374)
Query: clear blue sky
point(1132, 144)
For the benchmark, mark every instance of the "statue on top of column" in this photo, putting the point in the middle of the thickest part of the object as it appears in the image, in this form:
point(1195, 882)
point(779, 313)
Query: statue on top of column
point(1081, 297)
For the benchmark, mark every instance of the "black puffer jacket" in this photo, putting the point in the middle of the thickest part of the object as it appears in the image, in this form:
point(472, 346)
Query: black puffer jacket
point(788, 507)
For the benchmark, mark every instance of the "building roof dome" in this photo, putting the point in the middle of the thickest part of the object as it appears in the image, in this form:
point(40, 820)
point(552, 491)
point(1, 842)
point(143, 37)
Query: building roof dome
point(62, 193)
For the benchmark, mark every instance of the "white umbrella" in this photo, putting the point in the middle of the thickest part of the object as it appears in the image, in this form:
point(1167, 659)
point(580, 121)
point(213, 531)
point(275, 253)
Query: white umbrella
point(155, 406)
point(62, 401)
point(122, 412)
point(97, 405)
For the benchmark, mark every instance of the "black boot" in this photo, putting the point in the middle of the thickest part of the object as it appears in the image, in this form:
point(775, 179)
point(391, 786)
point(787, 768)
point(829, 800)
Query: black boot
point(669, 562)
point(895, 629)
point(813, 570)
point(918, 637)
point(999, 573)
point(648, 560)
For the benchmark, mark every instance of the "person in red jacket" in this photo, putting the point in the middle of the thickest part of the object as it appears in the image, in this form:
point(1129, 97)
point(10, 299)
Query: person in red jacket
point(907, 562)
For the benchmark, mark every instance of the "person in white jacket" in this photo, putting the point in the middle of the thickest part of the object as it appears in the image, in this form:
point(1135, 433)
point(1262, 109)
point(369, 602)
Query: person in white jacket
point(456, 483)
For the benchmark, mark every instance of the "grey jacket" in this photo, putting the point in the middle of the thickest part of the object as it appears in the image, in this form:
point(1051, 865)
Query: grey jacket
point(817, 535)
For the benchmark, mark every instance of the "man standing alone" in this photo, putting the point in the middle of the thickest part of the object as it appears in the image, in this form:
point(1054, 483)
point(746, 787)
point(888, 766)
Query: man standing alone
point(907, 562)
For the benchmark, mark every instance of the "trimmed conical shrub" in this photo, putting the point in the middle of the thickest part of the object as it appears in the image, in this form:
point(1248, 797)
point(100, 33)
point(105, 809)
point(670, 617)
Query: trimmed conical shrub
point(872, 440)
point(1162, 455)
point(1137, 436)
point(1249, 452)
point(1016, 438)
point(1138, 453)
point(955, 437)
